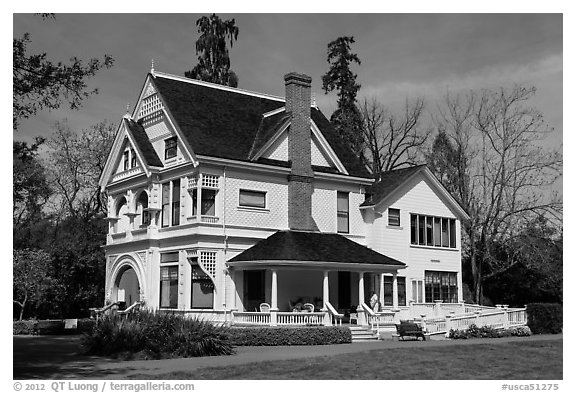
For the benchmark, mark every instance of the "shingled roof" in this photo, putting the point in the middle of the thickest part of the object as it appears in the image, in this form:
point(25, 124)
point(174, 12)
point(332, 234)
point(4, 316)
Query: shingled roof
point(144, 145)
point(225, 123)
point(313, 247)
point(388, 182)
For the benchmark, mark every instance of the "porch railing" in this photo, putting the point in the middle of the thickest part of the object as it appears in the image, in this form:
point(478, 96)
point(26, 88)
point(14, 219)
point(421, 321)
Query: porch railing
point(251, 318)
point(300, 318)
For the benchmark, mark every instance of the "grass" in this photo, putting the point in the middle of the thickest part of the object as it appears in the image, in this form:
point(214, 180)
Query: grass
point(511, 360)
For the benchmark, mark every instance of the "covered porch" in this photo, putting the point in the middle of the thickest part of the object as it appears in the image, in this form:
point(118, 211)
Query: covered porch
point(308, 278)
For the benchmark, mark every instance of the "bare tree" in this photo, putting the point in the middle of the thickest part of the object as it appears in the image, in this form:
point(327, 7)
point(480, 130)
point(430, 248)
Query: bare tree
point(501, 173)
point(76, 161)
point(393, 140)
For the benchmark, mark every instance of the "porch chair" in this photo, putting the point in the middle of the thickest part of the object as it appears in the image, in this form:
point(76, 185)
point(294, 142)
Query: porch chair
point(308, 307)
point(264, 307)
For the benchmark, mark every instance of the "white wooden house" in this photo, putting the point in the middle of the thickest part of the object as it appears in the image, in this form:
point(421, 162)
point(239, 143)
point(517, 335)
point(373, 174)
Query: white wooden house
point(221, 199)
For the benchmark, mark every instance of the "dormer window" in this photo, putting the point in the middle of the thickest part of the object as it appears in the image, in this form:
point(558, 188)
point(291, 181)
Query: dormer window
point(170, 148)
point(126, 160)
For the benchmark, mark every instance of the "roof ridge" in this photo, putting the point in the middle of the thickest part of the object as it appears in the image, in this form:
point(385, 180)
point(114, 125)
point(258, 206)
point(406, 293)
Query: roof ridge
point(217, 86)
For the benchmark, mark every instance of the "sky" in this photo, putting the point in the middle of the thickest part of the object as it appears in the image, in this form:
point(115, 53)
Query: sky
point(403, 56)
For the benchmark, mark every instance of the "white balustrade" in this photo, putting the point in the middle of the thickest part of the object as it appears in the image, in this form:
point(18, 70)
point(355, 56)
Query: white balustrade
point(300, 318)
point(251, 318)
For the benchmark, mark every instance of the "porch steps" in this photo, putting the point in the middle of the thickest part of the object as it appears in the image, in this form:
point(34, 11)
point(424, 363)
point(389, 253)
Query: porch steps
point(362, 334)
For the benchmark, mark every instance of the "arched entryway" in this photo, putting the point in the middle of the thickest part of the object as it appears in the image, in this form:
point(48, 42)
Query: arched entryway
point(127, 286)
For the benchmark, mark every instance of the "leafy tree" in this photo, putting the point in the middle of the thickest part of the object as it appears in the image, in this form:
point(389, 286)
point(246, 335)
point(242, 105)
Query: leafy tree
point(211, 49)
point(38, 83)
point(347, 119)
point(500, 173)
point(30, 188)
point(393, 140)
point(30, 271)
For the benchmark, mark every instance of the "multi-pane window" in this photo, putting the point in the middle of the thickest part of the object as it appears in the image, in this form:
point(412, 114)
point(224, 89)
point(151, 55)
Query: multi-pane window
point(207, 187)
point(141, 206)
point(432, 231)
point(440, 286)
point(394, 217)
point(388, 291)
point(170, 148)
point(171, 203)
point(169, 286)
point(250, 198)
point(343, 212)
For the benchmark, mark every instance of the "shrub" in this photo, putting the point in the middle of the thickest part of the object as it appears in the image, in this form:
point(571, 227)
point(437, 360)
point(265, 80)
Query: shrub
point(474, 331)
point(545, 318)
point(155, 335)
point(25, 327)
point(273, 336)
point(50, 327)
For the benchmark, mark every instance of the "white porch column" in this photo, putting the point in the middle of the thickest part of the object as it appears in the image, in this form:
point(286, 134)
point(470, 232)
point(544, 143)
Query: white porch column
point(274, 300)
point(325, 290)
point(395, 291)
point(233, 279)
point(326, 299)
point(381, 290)
point(361, 317)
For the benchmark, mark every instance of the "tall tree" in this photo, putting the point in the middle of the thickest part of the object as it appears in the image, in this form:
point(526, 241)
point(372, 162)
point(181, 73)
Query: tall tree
point(77, 160)
point(30, 271)
point(38, 83)
point(393, 140)
point(346, 119)
point(212, 51)
point(501, 174)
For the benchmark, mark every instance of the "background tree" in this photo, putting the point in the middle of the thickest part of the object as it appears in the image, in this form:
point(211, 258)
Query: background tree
point(30, 271)
point(38, 83)
point(346, 119)
point(212, 51)
point(393, 140)
point(500, 173)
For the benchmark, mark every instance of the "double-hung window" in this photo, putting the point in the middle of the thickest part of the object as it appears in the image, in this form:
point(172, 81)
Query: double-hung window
point(205, 187)
point(441, 286)
point(170, 148)
point(171, 203)
point(251, 198)
point(343, 208)
point(394, 217)
point(169, 280)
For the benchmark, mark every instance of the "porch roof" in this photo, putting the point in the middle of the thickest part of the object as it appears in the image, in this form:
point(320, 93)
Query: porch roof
point(299, 248)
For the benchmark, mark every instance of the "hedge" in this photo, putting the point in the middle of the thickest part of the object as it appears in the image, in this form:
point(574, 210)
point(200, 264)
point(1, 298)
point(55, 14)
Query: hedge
point(545, 318)
point(488, 332)
point(274, 336)
point(47, 327)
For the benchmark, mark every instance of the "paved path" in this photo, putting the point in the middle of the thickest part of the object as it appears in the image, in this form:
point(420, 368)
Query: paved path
point(58, 357)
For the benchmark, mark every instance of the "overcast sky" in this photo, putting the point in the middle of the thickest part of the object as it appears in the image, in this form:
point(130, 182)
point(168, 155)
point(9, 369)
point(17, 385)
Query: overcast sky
point(403, 55)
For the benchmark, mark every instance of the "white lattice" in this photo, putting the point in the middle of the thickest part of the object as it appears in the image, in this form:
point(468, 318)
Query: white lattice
point(192, 182)
point(210, 181)
point(150, 105)
point(207, 261)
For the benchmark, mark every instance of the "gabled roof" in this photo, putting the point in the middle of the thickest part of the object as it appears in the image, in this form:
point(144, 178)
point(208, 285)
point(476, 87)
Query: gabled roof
point(235, 124)
point(141, 139)
point(390, 181)
point(216, 122)
point(313, 247)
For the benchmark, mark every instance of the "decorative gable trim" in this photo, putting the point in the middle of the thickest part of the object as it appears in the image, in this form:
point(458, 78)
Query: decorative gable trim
point(161, 112)
point(326, 148)
point(274, 112)
point(116, 152)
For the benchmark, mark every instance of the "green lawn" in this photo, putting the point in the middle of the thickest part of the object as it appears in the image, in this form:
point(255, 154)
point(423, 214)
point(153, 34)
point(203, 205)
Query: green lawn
point(519, 360)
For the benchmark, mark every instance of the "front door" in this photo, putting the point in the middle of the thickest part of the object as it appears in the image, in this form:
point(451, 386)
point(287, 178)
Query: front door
point(253, 289)
point(344, 291)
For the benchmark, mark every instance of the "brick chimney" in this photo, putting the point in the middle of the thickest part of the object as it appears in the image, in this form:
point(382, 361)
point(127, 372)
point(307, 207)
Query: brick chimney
point(300, 180)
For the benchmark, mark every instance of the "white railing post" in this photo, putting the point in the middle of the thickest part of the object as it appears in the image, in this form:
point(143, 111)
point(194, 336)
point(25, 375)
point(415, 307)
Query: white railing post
point(506, 323)
point(424, 322)
point(438, 308)
point(477, 318)
point(448, 324)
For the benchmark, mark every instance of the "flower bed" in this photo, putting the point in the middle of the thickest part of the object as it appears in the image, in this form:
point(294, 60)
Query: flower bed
point(487, 332)
point(274, 336)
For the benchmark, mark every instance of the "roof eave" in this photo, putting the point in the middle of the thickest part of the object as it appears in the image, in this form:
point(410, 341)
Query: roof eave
point(315, 265)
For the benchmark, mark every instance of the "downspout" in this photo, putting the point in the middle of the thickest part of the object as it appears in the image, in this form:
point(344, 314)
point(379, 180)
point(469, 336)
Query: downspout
point(225, 236)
